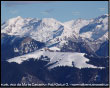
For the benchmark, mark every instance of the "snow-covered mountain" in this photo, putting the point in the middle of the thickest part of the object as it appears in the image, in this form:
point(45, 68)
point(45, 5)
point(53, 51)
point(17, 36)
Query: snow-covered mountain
point(35, 50)
point(97, 29)
point(53, 31)
point(40, 30)
point(82, 36)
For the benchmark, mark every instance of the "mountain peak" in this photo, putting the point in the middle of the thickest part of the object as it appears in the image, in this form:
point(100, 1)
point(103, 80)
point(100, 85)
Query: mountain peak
point(106, 14)
point(102, 16)
point(14, 20)
point(19, 17)
point(49, 20)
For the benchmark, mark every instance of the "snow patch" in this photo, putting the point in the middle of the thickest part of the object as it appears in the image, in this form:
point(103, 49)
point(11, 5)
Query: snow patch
point(54, 48)
point(57, 59)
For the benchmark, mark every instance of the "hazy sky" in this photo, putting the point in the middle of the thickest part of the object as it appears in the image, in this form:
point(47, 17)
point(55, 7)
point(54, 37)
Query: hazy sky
point(60, 10)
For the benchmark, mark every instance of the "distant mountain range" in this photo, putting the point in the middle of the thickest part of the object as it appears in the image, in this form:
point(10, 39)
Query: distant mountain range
point(77, 43)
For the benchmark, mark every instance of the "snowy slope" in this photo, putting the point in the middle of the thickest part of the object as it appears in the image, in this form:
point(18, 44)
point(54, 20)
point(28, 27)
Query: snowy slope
point(76, 25)
point(40, 30)
point(96, 29)
point(58, 58)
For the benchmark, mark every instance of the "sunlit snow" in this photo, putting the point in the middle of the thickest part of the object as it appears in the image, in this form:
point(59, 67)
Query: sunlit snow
point(58, 58)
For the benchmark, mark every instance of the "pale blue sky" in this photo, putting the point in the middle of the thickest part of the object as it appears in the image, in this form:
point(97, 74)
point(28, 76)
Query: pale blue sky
point(60, 10)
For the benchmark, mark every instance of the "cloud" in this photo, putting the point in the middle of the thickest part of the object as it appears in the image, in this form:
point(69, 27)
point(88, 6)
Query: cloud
point(15, 3)
point(47, 12)
point(102, 9)
point(13, 11)
point(76, 13)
